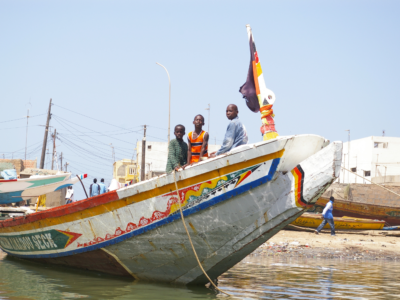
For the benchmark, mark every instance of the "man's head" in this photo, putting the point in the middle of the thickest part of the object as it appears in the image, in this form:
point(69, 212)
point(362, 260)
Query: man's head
point(94, 180)
point(102, 180)
point(231, 111)
point(179, 132)
point(198, 121)
point(332, 199)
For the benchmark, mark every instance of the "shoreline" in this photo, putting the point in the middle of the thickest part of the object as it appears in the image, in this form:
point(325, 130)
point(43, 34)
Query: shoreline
point(288, 243)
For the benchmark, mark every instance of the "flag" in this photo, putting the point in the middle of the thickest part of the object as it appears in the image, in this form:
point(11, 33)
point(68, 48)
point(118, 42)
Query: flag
point(254, 90)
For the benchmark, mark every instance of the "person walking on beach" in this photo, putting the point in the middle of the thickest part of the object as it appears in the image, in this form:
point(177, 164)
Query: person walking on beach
point(328, 217)
point(103, 188)
point(94, 188)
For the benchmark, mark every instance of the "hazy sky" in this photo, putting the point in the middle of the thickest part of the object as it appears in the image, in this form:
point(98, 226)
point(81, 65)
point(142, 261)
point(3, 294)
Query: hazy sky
point(333, 65)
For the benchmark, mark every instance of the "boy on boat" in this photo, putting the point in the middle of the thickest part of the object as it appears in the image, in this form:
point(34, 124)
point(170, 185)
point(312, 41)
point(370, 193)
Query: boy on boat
point(197, 141)
point(236, 134)
point(328, 217)
point(177, 151)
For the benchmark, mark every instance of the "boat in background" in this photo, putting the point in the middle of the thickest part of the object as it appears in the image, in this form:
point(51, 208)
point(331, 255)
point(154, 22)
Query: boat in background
point(314, 220)
point(16, 190)
point(366, 201)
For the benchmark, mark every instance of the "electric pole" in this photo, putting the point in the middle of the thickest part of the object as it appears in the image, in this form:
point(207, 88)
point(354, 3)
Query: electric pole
point(143, 165)
point(61, 161)
point(26, 136)
point(54, 148)
point(45, 138)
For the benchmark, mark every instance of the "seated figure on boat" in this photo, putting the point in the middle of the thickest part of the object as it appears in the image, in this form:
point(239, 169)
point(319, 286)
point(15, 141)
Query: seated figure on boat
point(177, 151)
point(236, 134)
point(197, 141)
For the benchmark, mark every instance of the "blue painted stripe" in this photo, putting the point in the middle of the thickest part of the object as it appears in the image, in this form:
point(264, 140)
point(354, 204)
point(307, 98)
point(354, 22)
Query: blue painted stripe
point(169, 219)
point(63, 186)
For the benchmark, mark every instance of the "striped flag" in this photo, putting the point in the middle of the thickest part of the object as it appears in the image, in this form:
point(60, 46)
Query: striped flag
point(254, 90)
point(258, 97)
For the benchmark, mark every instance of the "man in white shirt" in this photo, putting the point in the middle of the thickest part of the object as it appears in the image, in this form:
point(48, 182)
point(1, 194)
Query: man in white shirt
point(328, 217)
point(69, 196)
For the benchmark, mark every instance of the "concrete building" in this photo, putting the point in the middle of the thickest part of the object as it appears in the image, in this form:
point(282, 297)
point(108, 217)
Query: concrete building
point(17, 164)
point(157, 155)
point(375, 158)
point(125, 170)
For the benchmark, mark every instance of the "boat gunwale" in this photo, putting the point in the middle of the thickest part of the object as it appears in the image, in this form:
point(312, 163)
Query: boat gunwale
point(113, 195)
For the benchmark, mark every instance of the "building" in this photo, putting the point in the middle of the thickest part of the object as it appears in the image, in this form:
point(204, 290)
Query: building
point(17, 164)
point(125, 170)
point(375, 158)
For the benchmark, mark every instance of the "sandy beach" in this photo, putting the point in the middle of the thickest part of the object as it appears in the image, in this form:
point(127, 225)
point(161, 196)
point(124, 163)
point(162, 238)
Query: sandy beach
point(343, 246)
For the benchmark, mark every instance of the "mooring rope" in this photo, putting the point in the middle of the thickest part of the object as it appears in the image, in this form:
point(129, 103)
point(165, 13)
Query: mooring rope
point(371, 181)
point(190, 240)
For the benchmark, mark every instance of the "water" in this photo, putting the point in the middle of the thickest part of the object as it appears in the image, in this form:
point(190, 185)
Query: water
point(254, 278)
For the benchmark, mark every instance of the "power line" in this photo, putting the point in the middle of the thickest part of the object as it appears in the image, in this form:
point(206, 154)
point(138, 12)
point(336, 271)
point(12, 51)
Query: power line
point(24, 118)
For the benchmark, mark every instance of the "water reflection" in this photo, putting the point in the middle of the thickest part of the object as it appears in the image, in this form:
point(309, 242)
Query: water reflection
point(254, 278)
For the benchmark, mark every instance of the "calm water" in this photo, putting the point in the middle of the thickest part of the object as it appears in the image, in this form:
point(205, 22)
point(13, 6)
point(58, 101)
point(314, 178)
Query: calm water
point(254, 278)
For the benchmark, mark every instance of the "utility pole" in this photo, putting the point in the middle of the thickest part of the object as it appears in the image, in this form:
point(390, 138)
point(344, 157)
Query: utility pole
point(348, 157)
point(45, 138)
point(54, 148)
point(143, 164)
point(26, 137)
point(61, 161)
point(209, 109)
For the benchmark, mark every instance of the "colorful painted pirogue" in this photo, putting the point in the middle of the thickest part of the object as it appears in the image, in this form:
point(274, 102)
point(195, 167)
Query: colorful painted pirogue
point(314, 220)
point(232, 203)
point(363, 201)
point(16, 190)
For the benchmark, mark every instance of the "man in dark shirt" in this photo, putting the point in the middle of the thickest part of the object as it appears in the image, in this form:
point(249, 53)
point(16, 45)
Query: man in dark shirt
point(177, 150)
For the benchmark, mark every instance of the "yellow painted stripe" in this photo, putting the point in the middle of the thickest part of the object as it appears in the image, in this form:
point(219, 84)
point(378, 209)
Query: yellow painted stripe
point(296, 187)
point(111, 206)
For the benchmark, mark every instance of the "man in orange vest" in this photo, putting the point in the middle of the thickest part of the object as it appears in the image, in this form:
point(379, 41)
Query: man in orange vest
point(197, 141)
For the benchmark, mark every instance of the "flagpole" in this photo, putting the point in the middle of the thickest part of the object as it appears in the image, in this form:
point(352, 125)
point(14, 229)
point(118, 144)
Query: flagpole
point(169, 107)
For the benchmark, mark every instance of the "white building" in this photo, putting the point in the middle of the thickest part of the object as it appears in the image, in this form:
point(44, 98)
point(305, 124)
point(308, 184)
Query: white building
point(375, 158)
point(157, 155)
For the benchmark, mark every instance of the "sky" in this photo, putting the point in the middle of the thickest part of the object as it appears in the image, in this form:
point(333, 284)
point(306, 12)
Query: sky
point(333, 66)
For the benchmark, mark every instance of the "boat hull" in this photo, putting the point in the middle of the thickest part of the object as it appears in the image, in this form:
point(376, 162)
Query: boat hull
point(313, 221)
point(13, 191)
point(363, 201)
point(231, 204)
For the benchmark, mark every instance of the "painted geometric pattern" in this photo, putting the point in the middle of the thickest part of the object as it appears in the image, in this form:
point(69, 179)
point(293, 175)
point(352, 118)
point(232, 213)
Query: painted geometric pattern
point(189, 197)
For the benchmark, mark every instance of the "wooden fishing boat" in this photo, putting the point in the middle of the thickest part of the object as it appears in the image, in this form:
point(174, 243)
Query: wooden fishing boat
point(16, 190)
point(366, 201)
point(314, 220)
point(232, 203)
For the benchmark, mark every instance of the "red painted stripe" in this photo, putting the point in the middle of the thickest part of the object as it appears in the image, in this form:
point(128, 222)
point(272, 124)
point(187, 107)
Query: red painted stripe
point(2, 180)
point(62, 210)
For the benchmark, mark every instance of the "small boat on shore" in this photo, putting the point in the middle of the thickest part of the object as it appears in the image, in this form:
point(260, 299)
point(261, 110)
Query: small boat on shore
point(16, 190)
point(314, 220)
point(366, 201)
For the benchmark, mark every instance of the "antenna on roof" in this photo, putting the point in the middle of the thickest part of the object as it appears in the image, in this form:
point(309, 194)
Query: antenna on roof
point(383, 132)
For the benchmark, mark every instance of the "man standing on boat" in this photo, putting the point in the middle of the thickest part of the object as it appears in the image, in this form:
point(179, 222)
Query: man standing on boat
point(94, 188)
point(328, 217)
point(236, 134)
point(103, 188)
